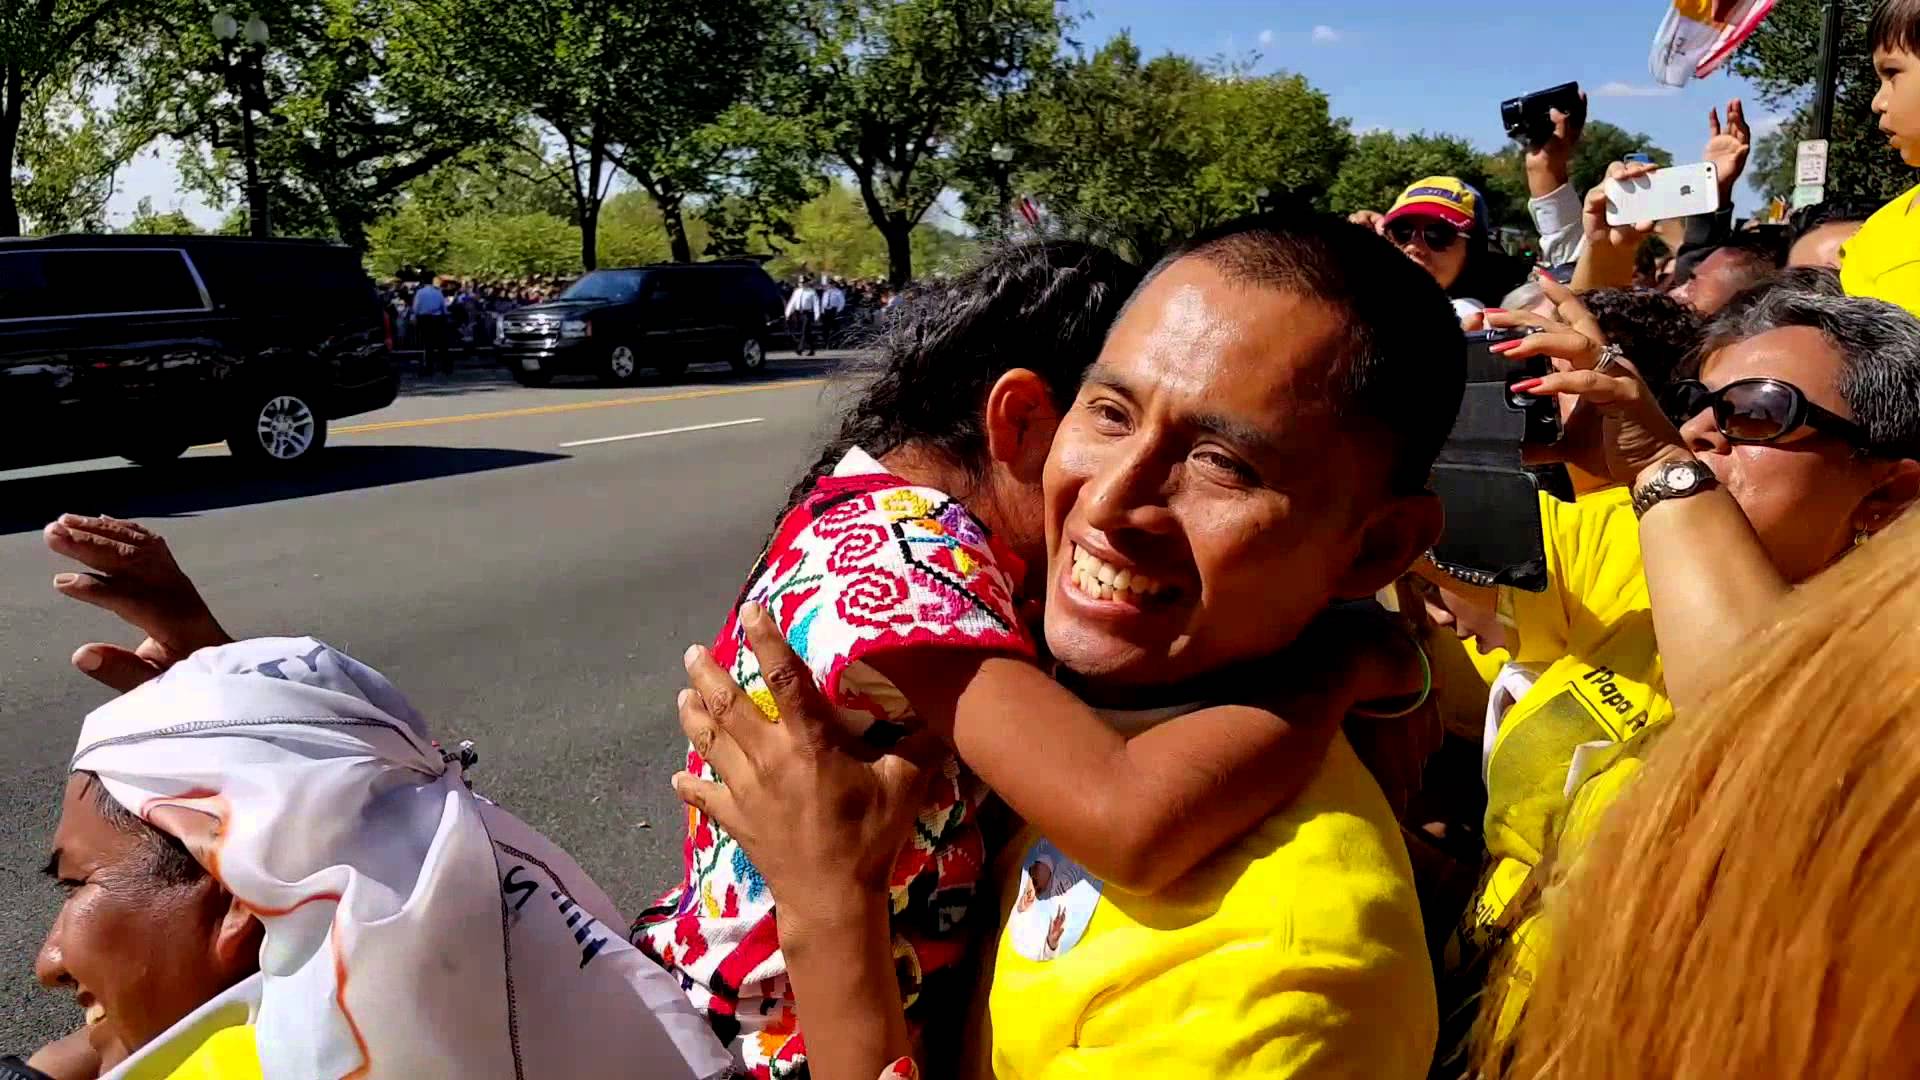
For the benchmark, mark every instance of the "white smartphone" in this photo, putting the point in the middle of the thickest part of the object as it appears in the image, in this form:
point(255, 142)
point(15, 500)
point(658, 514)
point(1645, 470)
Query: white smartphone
point(1676, 191)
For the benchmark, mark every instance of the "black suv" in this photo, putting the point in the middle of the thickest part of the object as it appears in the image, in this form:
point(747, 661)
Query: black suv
point(146, 345)
point(616, 323)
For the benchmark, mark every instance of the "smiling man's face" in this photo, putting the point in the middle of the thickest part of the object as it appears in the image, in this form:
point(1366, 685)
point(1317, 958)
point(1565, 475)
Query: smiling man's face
point(1203, 499)
point(136, 950)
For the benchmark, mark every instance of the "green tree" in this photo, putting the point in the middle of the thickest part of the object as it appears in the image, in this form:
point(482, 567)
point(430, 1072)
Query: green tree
point(1783, 59)
point(702, 131)
point(68, 154)
point(889, 83)
point(347, 113)
point(46, 48)
point(1142, 153)
point(148, 222)
point(1383, 163)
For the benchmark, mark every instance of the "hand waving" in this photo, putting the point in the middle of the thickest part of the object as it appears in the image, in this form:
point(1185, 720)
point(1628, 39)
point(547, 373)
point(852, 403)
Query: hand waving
point(1727, 148)
point(131, 572)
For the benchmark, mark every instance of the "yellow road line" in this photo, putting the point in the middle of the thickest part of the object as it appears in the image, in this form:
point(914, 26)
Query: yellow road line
point(571, 406)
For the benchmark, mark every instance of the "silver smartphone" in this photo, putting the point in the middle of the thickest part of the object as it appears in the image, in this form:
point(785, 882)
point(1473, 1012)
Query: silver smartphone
point(1676, 191)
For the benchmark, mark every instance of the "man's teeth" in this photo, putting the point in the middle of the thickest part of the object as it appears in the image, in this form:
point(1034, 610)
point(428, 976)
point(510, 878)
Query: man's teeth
point(1104, 581)
point(96, 1012)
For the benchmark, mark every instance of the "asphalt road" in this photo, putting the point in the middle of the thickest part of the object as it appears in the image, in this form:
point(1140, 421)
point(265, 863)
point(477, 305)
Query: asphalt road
point(528, 594)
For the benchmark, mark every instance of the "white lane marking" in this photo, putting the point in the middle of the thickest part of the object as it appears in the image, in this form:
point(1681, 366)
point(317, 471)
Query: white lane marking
point(664, 431)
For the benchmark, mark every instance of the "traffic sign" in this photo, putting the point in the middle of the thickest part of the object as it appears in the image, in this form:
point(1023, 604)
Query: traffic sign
point(1805, 195)
point(1810, 164)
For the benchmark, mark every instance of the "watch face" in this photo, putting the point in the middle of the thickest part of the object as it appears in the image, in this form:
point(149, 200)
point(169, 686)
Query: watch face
point(1680, 479)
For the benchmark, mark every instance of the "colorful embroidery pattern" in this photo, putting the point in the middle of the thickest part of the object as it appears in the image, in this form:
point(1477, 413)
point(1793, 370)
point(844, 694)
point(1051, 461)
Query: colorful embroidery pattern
point(866, 565)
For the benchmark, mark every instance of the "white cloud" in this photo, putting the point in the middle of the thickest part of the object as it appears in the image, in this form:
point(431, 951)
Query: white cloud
point(1766, 124)
point(1621, 89)
point(1325, 35)
point(1266, 37)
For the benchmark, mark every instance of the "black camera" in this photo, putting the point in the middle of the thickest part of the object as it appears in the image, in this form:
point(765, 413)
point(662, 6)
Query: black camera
point(1491, 496)
point(1530, 119)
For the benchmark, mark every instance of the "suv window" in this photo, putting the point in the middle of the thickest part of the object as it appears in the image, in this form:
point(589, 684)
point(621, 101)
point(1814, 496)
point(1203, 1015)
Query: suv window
point(53, 283)
point(619, 286)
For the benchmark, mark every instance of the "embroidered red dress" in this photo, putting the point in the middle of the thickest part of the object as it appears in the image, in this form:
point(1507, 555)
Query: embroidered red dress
point(866, 565)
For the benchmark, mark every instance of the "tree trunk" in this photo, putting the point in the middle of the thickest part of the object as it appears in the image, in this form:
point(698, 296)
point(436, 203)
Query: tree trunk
point(676, 224)
point(11, 110)
point(899, 233)
point(590, 208)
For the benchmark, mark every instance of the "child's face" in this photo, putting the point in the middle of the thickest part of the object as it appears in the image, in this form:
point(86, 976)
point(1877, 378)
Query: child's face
point(1898, 101)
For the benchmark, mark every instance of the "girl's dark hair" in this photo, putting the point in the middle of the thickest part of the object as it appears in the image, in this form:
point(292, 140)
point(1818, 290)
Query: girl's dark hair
point(1043, 305)
point(1895, 27)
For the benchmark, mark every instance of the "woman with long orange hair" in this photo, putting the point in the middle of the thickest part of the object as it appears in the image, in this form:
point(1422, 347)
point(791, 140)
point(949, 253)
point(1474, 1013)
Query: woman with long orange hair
point(1748, 907)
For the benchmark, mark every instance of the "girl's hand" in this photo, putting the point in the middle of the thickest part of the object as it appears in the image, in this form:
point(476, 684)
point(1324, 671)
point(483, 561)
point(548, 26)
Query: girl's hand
point(1615, 239)
point(1638, 434)
point(820, 824)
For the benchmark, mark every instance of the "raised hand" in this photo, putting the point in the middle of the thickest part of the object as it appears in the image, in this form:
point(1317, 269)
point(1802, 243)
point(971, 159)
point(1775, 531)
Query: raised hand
point(131, 572)
point(1727, 147)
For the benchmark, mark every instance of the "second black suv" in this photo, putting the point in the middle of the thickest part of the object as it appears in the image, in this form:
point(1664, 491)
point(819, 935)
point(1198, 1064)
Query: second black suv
point(617, 323)
point(146, 345)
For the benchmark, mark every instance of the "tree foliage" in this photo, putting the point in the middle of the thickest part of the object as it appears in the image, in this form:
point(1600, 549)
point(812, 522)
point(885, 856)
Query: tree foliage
point(1141, 153)
point(889, 83)
point(149, 222)
point(68, 154)
point(1783, 59)
point(1383, 163)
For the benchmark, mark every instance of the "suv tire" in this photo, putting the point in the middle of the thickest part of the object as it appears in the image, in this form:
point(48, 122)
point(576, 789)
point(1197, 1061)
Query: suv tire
point(622, 365)
point(750, 356)
point(278, 428)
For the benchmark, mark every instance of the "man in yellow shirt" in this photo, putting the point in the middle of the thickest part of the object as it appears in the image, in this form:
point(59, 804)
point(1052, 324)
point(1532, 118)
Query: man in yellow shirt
point(1883, 258)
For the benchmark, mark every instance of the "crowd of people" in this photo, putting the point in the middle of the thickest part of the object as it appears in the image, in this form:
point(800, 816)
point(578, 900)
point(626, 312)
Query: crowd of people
point(1123, 723)
point(443, 315)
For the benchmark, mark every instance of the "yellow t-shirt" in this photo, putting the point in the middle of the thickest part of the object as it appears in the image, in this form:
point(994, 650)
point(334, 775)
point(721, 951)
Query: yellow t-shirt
point(1295, 952)
point(228, 1053)
point(1600, 683)
point(1882, 260)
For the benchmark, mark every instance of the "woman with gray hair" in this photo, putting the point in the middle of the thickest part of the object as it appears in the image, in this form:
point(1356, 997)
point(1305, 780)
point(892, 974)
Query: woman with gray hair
point(1796, 442)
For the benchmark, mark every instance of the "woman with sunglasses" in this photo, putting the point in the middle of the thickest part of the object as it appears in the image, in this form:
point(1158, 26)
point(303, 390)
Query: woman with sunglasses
point(1796, 442)
point(1441, 222)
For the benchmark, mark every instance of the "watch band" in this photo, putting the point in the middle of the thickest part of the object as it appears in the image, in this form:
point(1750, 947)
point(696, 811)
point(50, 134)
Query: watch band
point(1674, 480)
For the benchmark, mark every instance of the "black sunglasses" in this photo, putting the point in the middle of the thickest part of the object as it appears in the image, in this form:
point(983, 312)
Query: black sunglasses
point(1437, 235)
point(1759, 411)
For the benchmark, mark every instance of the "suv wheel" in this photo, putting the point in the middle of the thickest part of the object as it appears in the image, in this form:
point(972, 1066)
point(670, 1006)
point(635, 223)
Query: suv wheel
point(622, 366)
point(751, 357)
point(279, 429)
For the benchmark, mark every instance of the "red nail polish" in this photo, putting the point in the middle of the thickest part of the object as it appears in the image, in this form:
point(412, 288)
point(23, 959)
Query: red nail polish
point(1525, 385)
point(1503, 346)
point(1495, 310)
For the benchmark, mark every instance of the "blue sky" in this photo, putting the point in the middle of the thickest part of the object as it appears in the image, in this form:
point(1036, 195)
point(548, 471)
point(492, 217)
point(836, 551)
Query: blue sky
point(1406, 65)
point(1400, 65)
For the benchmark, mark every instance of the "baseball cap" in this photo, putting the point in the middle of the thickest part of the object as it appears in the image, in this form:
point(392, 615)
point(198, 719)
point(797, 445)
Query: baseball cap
point(1451, 200)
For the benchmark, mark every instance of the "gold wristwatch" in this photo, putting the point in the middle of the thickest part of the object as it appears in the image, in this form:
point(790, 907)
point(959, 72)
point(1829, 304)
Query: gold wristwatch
point(1673, 480)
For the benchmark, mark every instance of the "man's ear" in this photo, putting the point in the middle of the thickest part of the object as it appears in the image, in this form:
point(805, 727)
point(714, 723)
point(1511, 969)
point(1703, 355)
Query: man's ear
point(236, 939)
point(1020, 422)
point(1395, 535)
point(1897, 489)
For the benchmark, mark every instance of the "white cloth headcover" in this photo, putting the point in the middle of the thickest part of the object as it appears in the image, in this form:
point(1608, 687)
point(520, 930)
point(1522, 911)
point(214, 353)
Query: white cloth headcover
point(412, 929)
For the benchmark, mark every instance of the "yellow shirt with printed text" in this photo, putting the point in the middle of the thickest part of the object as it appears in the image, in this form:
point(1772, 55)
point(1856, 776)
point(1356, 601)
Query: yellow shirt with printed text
point(1591, 637)
point(1295, 952)
point(1882, 260)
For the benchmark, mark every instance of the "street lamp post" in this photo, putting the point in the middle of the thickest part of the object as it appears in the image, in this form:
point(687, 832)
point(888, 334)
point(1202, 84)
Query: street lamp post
point(254, 32)
point(1002, 156)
